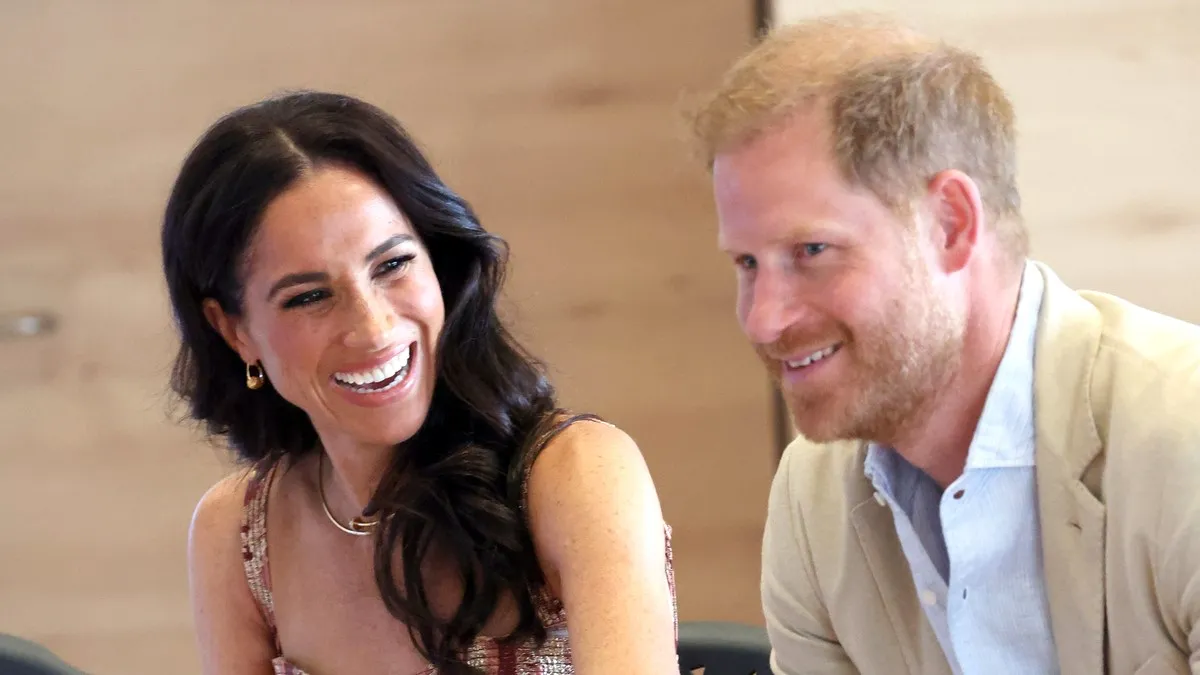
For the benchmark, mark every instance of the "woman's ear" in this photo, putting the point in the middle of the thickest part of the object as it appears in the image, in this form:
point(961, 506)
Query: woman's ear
point(230, 328)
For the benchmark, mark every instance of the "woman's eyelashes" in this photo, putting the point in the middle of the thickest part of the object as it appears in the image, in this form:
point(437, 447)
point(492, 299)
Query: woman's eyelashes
point(394, 264)
point(389, 267)
point(306, 298)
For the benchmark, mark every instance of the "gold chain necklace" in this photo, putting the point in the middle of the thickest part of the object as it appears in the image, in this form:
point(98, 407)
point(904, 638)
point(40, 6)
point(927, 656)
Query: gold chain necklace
point(359, 526)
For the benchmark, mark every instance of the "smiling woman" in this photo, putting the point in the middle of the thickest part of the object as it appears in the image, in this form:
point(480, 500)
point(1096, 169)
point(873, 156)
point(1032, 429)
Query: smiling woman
point(337, 288)
point(336, 302)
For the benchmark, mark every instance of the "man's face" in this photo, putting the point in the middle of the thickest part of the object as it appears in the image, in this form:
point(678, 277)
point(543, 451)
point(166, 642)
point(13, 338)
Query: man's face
point(835, 290)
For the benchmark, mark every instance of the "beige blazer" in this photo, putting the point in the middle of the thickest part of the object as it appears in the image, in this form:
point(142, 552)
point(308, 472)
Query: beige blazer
point(1117, 411)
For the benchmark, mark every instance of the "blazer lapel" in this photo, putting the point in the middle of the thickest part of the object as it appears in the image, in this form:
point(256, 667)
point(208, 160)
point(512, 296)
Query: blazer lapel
point(894, 590)
point(1069, 452)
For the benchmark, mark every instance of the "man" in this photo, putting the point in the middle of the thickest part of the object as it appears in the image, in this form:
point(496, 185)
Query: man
point(995, 473)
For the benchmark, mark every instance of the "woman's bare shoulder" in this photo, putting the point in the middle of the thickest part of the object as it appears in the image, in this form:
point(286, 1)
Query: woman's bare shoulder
point(219, 510)
point(233, 635)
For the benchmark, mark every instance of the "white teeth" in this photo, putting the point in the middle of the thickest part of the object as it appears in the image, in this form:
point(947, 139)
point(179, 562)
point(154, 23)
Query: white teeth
point(377, 374)
point(812, 358)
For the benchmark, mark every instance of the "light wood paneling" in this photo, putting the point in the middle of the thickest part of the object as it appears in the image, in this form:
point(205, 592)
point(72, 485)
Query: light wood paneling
point(556, 119)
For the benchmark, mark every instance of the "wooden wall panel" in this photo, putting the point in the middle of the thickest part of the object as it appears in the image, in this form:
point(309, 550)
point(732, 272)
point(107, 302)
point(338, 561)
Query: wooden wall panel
point(557, 120)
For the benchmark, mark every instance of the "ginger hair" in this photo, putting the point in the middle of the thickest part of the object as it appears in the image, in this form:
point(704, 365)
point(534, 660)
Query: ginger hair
point(901, 107)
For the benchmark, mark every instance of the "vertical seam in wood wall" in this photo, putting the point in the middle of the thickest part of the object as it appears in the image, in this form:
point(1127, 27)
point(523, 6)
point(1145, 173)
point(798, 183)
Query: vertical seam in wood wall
point(762, 17)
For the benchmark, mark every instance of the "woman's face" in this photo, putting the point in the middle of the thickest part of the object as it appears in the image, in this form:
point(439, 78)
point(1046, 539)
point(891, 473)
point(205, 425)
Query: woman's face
point(343, 308)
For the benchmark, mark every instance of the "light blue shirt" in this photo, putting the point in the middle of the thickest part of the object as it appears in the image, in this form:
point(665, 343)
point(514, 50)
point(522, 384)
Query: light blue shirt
point(975, 550)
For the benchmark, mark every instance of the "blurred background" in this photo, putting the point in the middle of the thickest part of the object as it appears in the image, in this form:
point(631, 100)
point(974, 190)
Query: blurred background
point(560, 122)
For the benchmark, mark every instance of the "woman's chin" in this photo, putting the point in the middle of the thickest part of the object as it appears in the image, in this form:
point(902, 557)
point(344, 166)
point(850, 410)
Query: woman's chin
point(386, 435)
point(382, 426)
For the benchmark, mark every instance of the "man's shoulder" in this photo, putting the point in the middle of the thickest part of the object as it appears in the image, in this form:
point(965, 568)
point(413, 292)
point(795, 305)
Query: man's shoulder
point(1140, 337)
point(824, 474)
point(803, 455)
point(1145, 391)
point(1147, 366)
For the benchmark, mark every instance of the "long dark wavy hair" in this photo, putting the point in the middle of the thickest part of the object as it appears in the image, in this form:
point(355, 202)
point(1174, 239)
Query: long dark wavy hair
point(455, 483)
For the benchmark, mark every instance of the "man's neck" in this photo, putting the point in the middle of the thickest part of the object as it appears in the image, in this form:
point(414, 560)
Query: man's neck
point(940, 442)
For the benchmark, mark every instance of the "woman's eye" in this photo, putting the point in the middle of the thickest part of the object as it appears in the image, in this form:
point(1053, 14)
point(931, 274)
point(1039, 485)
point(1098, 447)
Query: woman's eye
point(307, 298)
point(811, 250)
point(746, 262)
point(394, 264)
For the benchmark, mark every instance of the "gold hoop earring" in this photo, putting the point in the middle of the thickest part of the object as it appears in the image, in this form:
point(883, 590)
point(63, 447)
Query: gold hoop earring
point(255, 377)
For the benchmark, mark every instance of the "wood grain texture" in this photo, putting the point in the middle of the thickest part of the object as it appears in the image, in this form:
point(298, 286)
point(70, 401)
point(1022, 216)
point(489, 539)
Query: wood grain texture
point(557, 120)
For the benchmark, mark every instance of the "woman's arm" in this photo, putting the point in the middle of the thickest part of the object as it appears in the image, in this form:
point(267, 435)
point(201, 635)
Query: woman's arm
point(231, 633)
point(598, 530)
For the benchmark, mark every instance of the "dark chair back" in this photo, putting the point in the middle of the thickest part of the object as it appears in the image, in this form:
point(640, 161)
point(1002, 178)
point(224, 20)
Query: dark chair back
point(19, 656)
point(723, 648)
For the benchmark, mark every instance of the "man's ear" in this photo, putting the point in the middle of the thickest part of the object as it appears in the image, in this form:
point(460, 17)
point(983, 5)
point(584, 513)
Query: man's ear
point(957, 218)
point(231, 329)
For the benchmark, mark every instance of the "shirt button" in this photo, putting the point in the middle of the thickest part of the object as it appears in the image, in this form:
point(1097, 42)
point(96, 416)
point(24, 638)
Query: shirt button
point(880, 500)
point(928, 597)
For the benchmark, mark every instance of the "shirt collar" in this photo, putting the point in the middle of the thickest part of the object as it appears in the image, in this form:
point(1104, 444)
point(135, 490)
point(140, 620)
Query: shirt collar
point(1004, 436)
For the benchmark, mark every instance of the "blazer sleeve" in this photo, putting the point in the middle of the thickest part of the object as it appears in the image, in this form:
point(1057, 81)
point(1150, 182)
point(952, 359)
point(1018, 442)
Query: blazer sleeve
point(802, 638)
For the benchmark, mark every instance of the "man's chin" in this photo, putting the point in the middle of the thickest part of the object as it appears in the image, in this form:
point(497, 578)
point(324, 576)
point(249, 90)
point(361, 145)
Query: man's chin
point(821, 433)
point(816, 422)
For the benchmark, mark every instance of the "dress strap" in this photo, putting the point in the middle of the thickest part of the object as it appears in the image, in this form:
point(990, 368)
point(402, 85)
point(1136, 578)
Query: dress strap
point(554, 424)
point(254, 543)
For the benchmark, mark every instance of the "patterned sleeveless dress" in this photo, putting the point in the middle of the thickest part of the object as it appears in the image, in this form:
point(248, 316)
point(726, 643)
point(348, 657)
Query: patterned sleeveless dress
point(493, 657)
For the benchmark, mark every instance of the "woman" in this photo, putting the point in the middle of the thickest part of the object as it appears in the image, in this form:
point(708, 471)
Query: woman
point(337, 304)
